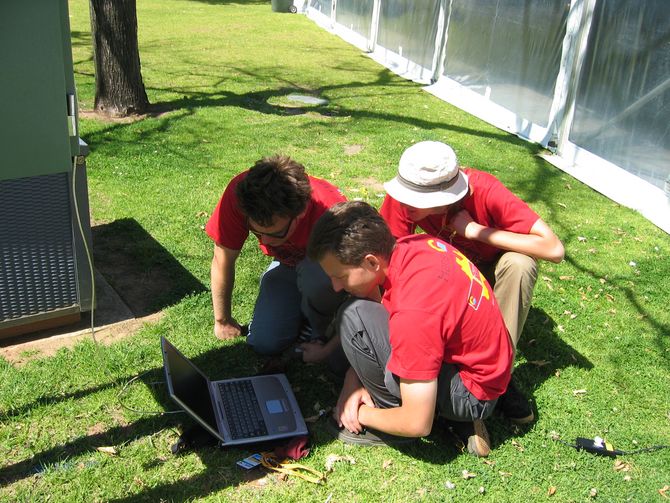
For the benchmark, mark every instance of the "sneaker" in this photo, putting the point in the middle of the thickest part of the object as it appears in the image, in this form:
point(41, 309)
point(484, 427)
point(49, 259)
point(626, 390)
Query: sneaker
point(367, 437)
point(473, 436)
point(479, 443)
point(515, 406)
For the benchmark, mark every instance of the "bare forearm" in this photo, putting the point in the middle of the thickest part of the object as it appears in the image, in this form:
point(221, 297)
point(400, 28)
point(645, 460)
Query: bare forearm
point(397, 421)
point(414, 418)
point(222, 294)
point(546, 247)
point(222, 283)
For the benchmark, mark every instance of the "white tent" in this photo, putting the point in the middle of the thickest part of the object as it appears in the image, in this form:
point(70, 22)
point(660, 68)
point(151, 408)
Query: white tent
point(588, 79)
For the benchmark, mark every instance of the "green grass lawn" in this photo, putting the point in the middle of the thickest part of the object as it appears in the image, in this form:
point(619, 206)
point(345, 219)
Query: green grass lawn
point(595, 354)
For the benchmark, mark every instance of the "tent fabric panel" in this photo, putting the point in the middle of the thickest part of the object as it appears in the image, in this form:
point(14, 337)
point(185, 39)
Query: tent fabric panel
point(622, 110)
point(509, 53)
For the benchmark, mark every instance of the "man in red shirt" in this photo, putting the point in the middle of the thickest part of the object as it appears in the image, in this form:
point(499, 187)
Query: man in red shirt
point(279, 203)
point(476, 213)
point(424, 333)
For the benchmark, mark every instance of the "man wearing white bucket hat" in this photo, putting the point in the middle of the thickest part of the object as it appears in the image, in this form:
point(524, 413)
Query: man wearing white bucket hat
point(477, 214)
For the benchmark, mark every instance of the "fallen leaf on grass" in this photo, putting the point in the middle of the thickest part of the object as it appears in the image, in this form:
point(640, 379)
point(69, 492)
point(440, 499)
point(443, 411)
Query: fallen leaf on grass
point(579, 392)
point(566, 278)
point(539, 363)
point(468, 475)
point(482, 490)
point(387, 463)
point(504, 474)
point(449, 485)
point(664, 490)
point(581, 239)
point(593, 492)
point(621, 466)
point(331, 459)
point(109, 450)
point(551, 491)
point(519, 447)
point(489, 462)
point(421, 492)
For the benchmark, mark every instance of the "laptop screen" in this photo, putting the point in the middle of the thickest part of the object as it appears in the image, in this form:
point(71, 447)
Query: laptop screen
point(188, 385)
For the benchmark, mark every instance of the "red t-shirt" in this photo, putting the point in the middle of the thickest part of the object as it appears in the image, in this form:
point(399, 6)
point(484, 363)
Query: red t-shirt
point(442, 309)
point(490, 203)
point(228, 226)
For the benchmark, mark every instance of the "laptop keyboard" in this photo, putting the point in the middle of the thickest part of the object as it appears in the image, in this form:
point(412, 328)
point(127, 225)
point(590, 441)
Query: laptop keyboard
point(243, 412)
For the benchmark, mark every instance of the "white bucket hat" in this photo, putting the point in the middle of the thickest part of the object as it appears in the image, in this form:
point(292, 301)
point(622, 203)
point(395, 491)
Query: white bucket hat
point(428, 176)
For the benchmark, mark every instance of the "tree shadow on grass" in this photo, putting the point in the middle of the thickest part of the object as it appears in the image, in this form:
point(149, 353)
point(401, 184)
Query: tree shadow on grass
point(221, 471)
point(545, 353)
point(269, 102)
point(313, 389)
point(146, 276)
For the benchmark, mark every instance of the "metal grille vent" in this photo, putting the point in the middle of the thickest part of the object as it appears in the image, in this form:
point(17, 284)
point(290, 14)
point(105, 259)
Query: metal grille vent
point(37, 264)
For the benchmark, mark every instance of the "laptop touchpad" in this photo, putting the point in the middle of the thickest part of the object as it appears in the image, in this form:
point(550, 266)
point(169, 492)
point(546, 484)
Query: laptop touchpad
point(274, 406)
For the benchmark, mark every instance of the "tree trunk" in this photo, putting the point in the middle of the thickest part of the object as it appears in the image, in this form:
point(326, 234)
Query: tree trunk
point(119, 90)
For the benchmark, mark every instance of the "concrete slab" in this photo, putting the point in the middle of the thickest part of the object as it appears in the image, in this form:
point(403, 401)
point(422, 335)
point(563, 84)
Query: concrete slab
point(112, 320)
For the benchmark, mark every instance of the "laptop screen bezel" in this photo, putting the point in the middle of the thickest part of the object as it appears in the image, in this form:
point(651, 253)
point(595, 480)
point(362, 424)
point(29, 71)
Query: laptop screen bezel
point(167, 346)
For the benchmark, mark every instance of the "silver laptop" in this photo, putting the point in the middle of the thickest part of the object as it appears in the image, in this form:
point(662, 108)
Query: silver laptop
point(236, 411)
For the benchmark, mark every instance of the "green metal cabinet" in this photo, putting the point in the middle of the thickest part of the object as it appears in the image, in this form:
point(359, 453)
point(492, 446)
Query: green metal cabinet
point(44, 270)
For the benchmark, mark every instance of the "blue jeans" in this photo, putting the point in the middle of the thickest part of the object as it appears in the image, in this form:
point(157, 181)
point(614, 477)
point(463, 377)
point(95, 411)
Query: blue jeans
point(287, 296)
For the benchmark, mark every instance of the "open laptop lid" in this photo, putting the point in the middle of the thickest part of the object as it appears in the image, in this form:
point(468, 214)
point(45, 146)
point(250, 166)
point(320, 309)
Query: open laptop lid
point(189, 387)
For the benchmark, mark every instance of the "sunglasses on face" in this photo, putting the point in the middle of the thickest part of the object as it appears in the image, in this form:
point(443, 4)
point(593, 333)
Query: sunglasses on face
point(277, 235)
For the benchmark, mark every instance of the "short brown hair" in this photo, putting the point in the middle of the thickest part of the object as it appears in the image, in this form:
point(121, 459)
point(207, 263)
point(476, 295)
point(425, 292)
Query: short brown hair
point(274, 186)
point(350, 230)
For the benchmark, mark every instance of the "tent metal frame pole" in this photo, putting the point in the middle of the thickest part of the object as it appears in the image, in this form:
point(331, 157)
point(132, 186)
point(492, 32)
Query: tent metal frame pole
point(374, 25)
point(440, 54)
point(577, 35)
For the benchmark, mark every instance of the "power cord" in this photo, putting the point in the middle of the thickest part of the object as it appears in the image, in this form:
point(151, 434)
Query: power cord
point(89, 258)
point(600, 447)
point(138, 411)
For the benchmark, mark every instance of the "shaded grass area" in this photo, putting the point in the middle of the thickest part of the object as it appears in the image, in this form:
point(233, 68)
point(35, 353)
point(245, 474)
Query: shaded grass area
point(595, 354)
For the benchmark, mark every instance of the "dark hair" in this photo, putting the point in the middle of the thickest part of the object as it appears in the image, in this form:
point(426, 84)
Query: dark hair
point(274, 186)
point(350, 230)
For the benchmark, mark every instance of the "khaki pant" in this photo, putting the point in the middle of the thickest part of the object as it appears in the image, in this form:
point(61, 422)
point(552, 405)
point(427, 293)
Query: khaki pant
point(513, 278)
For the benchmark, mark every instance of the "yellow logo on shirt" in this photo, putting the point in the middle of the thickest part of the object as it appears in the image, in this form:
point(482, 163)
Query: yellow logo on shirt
point(437, 245)
point(478, 287)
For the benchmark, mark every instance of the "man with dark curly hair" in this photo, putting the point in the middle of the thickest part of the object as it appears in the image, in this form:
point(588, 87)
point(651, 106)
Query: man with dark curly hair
point(278, 202)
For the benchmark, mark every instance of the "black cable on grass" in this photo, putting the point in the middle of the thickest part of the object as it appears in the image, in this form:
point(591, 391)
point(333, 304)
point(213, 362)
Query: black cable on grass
point(138, 411)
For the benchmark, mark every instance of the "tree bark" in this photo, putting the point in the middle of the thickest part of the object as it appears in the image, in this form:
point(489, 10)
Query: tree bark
point(119, 90)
